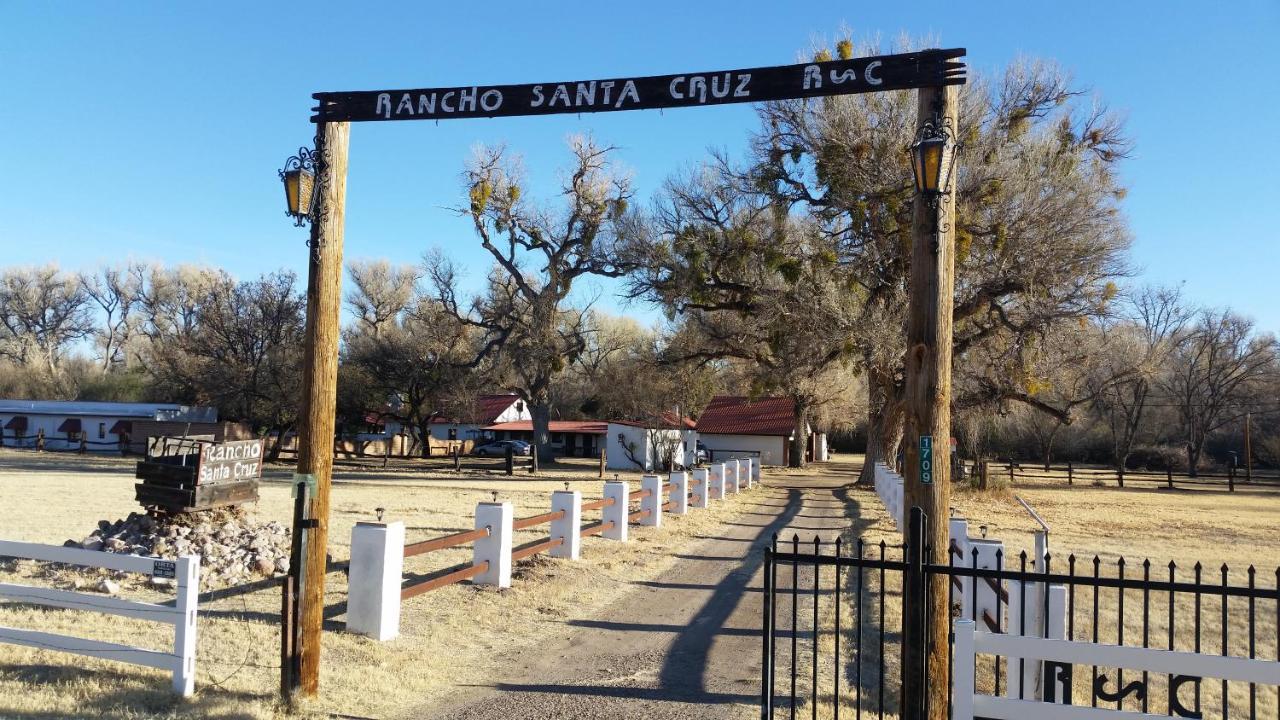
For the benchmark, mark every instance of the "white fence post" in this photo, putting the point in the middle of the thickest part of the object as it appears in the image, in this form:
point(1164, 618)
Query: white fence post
point(679, 492)
point(962, 670)
point(716, 482)
point(651, 501)
point(959, 528)
point(701, 487)
point(755, 470)
point(495, 549)
point(373, 585)
point(731, 477)
point(569, 527)
point(184, 642)
point(619, 491)
point(751, 482)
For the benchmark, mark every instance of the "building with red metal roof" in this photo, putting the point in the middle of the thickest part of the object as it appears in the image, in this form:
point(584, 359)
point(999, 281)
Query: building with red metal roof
point(737, 426)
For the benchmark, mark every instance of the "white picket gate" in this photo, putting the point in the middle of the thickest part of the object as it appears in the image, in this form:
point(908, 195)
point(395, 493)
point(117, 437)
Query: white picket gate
point(970, 642)
point(185, 571)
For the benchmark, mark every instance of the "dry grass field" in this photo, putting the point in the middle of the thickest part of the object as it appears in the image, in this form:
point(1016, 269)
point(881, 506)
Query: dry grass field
point(452, 636)
point(1210, 526)
point(449, 637)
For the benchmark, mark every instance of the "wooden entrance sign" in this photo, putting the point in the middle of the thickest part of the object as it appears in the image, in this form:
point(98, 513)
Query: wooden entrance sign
point(927, 68)
point(203, 475)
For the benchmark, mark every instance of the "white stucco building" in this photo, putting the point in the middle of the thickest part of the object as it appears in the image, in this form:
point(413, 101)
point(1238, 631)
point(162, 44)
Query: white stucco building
point(640, 445)
point(734, 426)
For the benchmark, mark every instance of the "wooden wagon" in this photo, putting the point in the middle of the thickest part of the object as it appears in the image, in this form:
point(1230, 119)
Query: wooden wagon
point(184, 474)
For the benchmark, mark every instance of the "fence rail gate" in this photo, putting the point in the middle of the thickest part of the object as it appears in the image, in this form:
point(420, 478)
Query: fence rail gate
point(1067, 638)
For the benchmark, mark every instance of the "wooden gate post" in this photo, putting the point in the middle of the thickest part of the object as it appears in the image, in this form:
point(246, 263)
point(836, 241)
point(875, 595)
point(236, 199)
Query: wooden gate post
point(927, 483)
point(320, 383)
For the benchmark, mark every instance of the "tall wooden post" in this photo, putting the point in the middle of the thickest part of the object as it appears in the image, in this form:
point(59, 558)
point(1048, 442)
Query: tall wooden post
point(1248, 450)
point(928, 422)
point(320, 385)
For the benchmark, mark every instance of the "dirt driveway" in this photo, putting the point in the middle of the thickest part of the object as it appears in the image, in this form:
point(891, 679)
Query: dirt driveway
point(684, 645)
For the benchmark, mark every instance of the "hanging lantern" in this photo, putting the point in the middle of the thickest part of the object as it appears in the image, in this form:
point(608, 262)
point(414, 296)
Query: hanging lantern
point(932, 159)
point(299, 181)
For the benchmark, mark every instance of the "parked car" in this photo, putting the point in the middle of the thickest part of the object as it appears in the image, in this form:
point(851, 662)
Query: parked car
point(700, 453)
point(498, 448)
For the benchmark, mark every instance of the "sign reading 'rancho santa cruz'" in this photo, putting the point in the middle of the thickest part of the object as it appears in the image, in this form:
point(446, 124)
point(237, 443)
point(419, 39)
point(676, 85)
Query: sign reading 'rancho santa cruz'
point(926, 68)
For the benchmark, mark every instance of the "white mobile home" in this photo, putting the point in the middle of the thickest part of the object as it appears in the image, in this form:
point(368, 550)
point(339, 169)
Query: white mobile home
point(62, 423)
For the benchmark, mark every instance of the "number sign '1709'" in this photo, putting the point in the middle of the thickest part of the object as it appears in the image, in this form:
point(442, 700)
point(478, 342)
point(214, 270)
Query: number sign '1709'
point(926, 68)
point(926, 459)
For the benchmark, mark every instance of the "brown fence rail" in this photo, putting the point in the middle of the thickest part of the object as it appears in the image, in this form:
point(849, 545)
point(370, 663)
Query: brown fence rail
point(1015, 471)
point(444, 577)
point(589, 530)
point(529, 522)
point(597, 504)
point(532, 549)
point(448, 541)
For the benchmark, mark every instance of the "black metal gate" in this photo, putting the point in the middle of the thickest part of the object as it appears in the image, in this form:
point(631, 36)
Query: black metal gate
point(833, 627)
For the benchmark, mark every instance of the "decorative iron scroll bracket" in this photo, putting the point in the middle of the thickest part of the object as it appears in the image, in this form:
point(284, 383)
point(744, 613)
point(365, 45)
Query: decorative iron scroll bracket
point(940, 127)
point(320, 163)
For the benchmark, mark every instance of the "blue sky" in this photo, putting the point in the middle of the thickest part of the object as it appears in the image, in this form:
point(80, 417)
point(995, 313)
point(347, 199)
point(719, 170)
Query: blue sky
point(154, 131)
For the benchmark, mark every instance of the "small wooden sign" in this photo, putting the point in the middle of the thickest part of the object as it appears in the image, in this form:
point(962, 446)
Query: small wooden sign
point(927, 68)
point(926, 459)
point(234, 461)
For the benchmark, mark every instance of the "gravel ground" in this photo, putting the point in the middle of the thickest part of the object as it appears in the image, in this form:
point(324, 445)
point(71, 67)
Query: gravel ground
point(684, 645)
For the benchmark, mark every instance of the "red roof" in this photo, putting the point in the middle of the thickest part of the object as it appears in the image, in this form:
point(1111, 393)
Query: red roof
point(732, 415)
point(487, 409)
point(667, 420)
point(582, 427)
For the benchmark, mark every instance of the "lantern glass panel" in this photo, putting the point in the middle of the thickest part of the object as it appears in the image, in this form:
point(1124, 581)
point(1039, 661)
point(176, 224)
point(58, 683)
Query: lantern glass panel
point(298, 187)
point(930, 165)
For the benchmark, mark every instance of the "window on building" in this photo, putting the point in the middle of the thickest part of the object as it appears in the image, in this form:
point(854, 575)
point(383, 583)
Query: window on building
point(102, 431)
point(557, 437)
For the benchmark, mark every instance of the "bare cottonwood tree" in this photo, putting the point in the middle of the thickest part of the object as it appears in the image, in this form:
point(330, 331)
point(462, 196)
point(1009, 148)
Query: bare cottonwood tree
point(411, 366)
point(539, 253)
point(236, 345)
point(1039, 238)
point(43, 310)
point(1139, 341)
point(752, 284)
point(116, 293)
point(380, 291)
point(1214, 374)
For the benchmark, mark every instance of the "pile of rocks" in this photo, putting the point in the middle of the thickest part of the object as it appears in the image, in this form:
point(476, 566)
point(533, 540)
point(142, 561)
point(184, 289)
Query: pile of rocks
point(234, 547)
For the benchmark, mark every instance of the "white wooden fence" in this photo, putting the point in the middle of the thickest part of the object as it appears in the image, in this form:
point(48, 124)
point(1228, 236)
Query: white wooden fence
point(375, 588)
point(889, 488)
point(186, 573)
point(970, 642)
